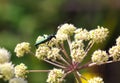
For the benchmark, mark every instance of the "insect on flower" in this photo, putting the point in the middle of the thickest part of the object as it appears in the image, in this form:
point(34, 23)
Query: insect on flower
point(45, 39)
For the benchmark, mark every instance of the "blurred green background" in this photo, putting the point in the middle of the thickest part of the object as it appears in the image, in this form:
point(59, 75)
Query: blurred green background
point(25, 20)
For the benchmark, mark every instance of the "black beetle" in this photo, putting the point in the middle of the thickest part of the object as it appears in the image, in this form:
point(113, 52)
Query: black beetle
point(45, 39)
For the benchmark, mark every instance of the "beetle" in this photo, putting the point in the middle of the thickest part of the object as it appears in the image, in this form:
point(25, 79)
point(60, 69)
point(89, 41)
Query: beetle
point(45, 39)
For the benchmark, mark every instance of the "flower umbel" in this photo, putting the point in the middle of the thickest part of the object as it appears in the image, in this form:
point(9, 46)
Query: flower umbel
point(66, 50)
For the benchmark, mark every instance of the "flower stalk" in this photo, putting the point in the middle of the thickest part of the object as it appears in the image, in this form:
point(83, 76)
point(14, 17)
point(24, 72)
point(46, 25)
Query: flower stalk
point(33, 71)
point(60, 66)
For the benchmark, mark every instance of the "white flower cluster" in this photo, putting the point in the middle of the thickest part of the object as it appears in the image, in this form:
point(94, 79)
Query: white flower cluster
point(4, 55)
point(82, 34)
point(99, 57)
point(55, 76)
point(77, 55)
point(115, 50)
point(77, 44)
point(7, 69)
point(21, 70)
point(78, 52)
point(22, 48)
point(42, 52)
point(96, 80)
point(99, 34)
point(54, 54)
point(65, 31)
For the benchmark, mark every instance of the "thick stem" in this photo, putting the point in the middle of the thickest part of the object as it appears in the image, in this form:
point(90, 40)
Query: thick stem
point(90, 64)
point(38, 70)
point(55, 64)
point(84, 66)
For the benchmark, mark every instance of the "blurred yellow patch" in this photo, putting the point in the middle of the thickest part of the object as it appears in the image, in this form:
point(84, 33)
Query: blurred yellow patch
point(88, 76)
